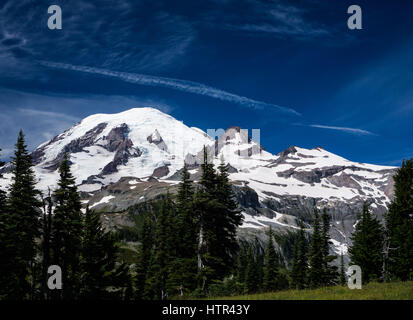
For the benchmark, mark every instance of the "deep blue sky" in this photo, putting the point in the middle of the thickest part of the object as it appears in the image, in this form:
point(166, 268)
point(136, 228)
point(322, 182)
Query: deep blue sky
point(290, 68)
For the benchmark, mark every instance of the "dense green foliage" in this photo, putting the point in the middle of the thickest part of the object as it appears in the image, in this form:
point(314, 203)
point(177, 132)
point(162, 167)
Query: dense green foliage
point(21, 227)
point(271, 265)
point(367, 248)
point(184, 245)
point(66, 231)
point(98, 268)
point(330, 271)
point(190, 243)
point(37, 232)
point(399, 227)
point(299, 270)
point(316, 254)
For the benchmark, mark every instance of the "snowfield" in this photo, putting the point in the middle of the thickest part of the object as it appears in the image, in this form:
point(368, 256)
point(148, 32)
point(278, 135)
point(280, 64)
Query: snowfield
point(146, 144)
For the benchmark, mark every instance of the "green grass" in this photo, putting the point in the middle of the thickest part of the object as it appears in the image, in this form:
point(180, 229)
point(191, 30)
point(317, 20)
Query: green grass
point(371, 291)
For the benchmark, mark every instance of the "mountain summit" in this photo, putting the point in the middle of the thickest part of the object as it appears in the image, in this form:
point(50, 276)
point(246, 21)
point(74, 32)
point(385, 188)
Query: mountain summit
point(147, 146)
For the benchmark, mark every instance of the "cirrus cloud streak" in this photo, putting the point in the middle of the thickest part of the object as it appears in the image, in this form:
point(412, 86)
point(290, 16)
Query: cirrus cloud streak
point(171, 83)
point(355, 131)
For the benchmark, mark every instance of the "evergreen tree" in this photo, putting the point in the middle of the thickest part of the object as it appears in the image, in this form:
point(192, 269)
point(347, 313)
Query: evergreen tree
point(242, 261)
point(185, 219)
point(343, 278)
point(330, 272)
point(252, 276)
point(259, 262)
point(5, 241)
point(399, 226)
point(300, 261)
point(316, 256)
point(66, 232)
point(145, 254)
point(271, 266)
point(204, 204)
point(23, 225)
point(183, 268)
point(156, 283)
point(218, 219)
point(366, 250)
point(46, 223)
point(228, 219)
point(99, 271)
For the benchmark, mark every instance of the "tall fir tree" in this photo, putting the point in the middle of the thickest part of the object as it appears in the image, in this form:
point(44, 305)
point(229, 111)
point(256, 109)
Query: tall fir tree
point(145, 254)
point(252, 272)
point(158, 272)
point(330, 272)
point(259, 262)
point(66, 232)
point(23, 224)
point(271, 265)
point(99, 271)
point(316, 256)
point(185, 218)
point(46, 244)
point(6, 243)
point(343, 278)
point(218, 219)
point(399, 226)
point(3, 197)
point(242, 262)
point(228, 220)
point(204, 203)
point(299, 270)
point(183, 267)
point(367, 246)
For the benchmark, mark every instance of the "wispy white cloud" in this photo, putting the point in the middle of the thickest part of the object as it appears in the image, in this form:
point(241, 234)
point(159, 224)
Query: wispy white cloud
point(299, 32)
point(355, 131)
point(278, 19)
point(47, 115)
point(176, 84)
point(131, 35)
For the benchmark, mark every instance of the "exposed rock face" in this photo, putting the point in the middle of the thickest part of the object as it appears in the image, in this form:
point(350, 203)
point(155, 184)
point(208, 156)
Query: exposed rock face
point(152, 179)
point(156, 139)
point(38, 154)
point(117, 141)
point(246, 197)
point(160, 172)
point(74, 146)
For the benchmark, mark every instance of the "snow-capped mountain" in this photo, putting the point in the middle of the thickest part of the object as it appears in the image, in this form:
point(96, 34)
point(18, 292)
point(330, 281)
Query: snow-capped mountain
point(140, 142)
point(124, 158)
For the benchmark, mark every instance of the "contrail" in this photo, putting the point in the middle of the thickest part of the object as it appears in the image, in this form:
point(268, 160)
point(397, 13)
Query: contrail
point(345, 129)
point(177, 84)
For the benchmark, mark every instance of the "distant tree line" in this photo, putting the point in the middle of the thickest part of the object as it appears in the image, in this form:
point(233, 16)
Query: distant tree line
point(188, 245)
point(382, 250)
point(385, 252)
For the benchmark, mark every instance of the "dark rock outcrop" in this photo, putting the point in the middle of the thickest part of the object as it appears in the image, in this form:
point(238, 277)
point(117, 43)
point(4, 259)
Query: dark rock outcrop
point(160, 172)
point(74, 146)
point(117, 141)
point(156, 139)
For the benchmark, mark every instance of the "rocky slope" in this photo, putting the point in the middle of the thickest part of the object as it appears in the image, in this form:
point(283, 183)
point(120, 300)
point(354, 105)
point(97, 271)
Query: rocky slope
point(130, 157)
